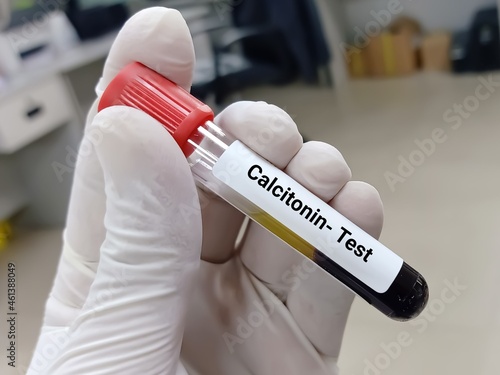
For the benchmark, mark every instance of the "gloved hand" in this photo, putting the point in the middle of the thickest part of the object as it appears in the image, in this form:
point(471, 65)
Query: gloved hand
point(131, 290)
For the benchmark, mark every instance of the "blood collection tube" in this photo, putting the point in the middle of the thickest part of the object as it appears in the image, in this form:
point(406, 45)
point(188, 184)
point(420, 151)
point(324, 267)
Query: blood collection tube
point(270, 197)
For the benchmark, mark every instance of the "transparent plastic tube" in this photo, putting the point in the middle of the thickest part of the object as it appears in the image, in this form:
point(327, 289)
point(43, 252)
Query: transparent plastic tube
point(269, 197)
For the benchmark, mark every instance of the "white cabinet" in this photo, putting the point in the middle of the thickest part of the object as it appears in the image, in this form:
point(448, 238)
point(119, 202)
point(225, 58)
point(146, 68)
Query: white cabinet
point(28, 113)
point(34, 112)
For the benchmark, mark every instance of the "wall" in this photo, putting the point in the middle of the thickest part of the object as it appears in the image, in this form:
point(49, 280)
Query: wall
point(432, 14)
point(333, 22)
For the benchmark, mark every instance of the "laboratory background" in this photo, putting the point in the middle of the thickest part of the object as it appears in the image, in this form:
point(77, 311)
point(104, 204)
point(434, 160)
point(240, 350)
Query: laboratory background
point(408, 91)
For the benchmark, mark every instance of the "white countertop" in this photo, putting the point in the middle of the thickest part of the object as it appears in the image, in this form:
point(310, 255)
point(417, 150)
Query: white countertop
point(47, 63)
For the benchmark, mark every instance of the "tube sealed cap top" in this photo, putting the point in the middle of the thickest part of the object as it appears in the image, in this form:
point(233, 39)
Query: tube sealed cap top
point(178, 111)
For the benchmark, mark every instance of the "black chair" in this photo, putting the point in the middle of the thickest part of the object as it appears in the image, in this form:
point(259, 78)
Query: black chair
point(95, 21)
point(233, 70)
point(484, 42)
point(478, 49)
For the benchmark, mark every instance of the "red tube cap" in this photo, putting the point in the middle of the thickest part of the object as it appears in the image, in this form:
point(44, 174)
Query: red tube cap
point(178, 111)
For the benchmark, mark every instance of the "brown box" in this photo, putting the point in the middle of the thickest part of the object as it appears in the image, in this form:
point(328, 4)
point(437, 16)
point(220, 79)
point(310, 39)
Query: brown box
point(357, 62)
point(435, 52)
point(374, 57)
point(390, 54)
point(405, 53)
point(405, 24)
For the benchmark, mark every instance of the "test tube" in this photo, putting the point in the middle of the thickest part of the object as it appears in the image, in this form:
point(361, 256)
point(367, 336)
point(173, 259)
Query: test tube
point(228, 168)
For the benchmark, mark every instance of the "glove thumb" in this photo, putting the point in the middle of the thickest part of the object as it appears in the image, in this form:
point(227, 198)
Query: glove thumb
point(133, 319)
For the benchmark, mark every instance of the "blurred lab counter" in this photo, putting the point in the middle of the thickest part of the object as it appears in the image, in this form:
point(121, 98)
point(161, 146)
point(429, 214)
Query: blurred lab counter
point(42, 114)
point(49, 62)
point(44, 100)
point(43, 105)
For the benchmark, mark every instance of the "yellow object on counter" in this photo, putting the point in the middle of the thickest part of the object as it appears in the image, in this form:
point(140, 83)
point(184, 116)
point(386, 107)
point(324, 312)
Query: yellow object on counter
point(5, 234)
point(388, 54)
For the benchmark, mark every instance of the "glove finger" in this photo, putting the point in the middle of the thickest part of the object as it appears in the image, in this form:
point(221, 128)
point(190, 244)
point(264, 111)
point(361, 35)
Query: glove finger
point(321, 169)
point(82, 238)
point(158, 38)
point(269, 131)
point(150, 36)
point(149, 257)
point(318, 303)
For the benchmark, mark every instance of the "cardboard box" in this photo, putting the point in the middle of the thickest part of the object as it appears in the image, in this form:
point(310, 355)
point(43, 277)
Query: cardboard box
point(357, 62)
point(405, 53)
point(374, 57)
point(435, 52)
point(390, 55)
point(406, 25)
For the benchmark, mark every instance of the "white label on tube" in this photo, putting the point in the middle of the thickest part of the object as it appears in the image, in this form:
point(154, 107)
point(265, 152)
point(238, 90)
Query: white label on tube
point(308, 216)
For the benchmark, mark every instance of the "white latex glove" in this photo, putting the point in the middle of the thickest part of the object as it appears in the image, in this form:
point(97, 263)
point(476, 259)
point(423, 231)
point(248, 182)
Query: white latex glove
point(123, 300)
